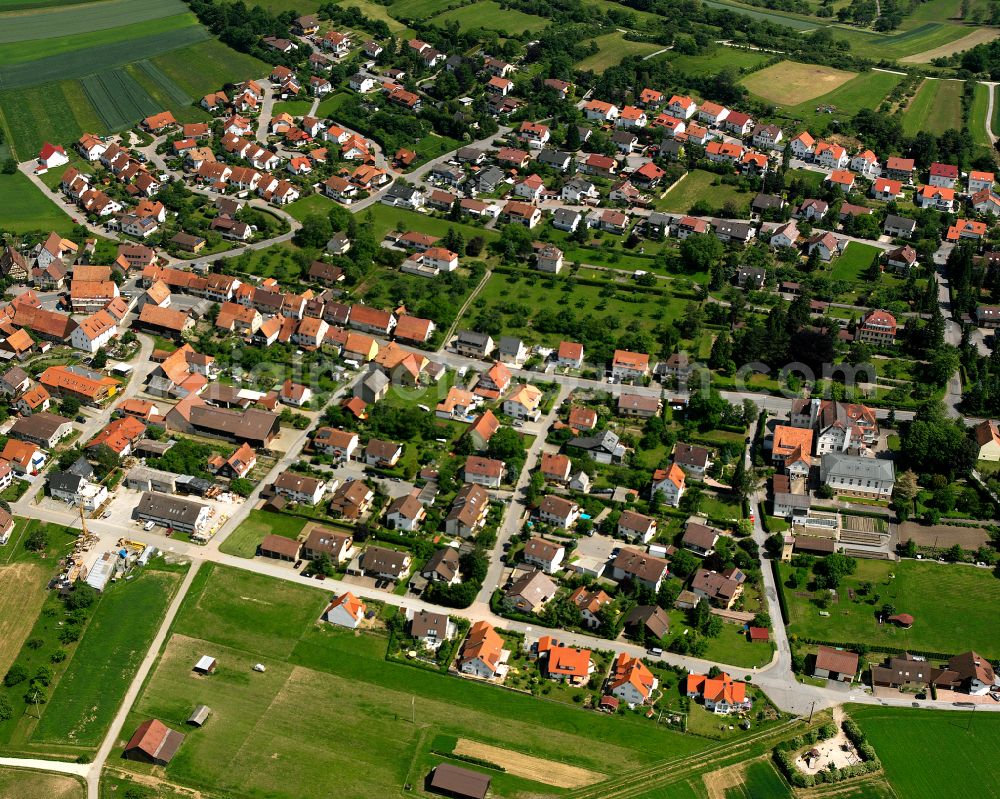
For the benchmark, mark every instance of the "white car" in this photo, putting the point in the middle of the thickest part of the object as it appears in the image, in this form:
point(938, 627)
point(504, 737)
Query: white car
point(149, 525)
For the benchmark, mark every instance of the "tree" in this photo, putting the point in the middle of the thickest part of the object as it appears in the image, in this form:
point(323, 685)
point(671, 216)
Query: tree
point(909, 548)
point(70, 407)
point(572, 137)
point(700, 251)
point(888, 609)
point(15, 674)
point(833, 568)
point(82, 596)
point(100, 359)
point(241, 486)
point(315, 232)
point(37, 540)
point(6, 711)
point(683, 563)
point(321, 564)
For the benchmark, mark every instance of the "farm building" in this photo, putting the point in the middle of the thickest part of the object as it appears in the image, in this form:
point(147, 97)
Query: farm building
point(153, 742)
point(199, 715)
point(458, 782)
point(206, 665)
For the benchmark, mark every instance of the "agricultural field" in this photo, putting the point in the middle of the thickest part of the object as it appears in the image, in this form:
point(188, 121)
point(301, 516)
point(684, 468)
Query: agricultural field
point(930, 754)
point(418, 9)
point(81, 18)
point(792, 83)
point(87, 697)
point(118, 98)
point(956, 45)
point(935, 108)
point(775, 17)
point(488, 15)
point(37, 785)
point(952, 606)
point(699, 185)
point(978, 115)
point(207, 66)
point(24, 208)
point(22, 584)
point(914, 44)
point(245, 539)
point(856, 258)
point(394, 714)
point(613, 47)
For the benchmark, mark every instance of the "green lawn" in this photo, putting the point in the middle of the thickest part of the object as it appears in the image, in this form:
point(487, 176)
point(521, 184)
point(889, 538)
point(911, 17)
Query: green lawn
point(775, 17)
point(706, 186)
point(330, 106)
point(116, 641)
point(612, 48)
point(936, 107)
point(245, 539)
point(952, 605)
point(295, 108)
point(930, 754)
point(375, 702)
point(760, 780)
point(489, 15)
point(855, 259)
point(418, 9)
point(23, 207)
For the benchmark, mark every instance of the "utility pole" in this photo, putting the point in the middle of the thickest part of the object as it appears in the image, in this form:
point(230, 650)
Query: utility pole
point(811, 710)
point(413, 710)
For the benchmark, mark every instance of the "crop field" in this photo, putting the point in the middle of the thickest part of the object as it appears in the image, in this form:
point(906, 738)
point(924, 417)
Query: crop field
point(87, 697)
point(418, 9)
point(488, 15)
point(951, 606)
point(88, 60)
point(978, 114)
point(59, 111)
point(207, 66)
point(792, 83)
point(701, 185)
point(915, 42)
point(24, 208)
point(21, 594)
point(20, 52)
point(245, 539)
point(613, 48)
point(36, 785)
point(118, 98)
point(856, 258)
point(775, 17)
point(371, 9)
point(392, 714)
point(73, 20)
point(935, 108)
point(957, 45)
point(931, 754)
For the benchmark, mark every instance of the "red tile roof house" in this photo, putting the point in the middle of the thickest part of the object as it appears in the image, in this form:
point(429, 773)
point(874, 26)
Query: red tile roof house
point(563, 663)
point(877, 327)
point(153, 742)
point(836, 664)
point(629, 365)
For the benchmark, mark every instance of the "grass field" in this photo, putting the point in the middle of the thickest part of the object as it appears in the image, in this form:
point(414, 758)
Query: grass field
point(613, 48)
point(369, 8)
point(867, 90)
point(488, 15)
point(245, 539)
point(203, 67)
point(392, 714)
point(931, 754)
point(956, 45)
point(21, 784)
point(936, 107)
point(792, 83)
point(716, 60)
point(87, 697)
point(918, 40)
point(701, 185)
point(295, 108)
point(978, 114)
point(776, 17)
point(759, 781)
point(418, 9)
point(856, 258)
point(23, 207)
point(951, 605)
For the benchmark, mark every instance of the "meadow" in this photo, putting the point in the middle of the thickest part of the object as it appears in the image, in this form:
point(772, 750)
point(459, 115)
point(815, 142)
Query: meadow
point(792, 83)
point(245, 539)
point(36, 785)
point(978, 114)
point(760, 781)
point(935, 108)
point(613, 47)
point(699, 185)
point(87, 697)
point(931, 754)
point(715, 60)
point(907, 45)
point(392, 714)
point(867, 90)
point(775, 17)
point(22, 592)
point(952, 607)
point(418, 9)
point(489, 15)
point(24, 208)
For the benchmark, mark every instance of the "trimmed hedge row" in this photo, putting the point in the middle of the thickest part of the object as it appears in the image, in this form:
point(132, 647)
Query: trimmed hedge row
point(784, 756)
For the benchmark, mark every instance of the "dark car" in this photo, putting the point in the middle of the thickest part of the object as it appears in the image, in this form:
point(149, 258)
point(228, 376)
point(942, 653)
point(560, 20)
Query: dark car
point(298, 563)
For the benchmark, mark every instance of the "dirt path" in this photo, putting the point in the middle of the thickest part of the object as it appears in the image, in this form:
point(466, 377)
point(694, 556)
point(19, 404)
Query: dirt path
point(549, 772)
point(979, 36)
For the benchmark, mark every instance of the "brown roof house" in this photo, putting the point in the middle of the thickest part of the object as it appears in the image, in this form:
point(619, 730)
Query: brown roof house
point(530, 593)
point(468, 511)
point(484, 471)
point(546, 555)
point(636, 526)
point(636, 565)
point(719, 588)
point(457, 782)
point(153, 742)
point(389, 564)
point(699, 538)
point(835, 664)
